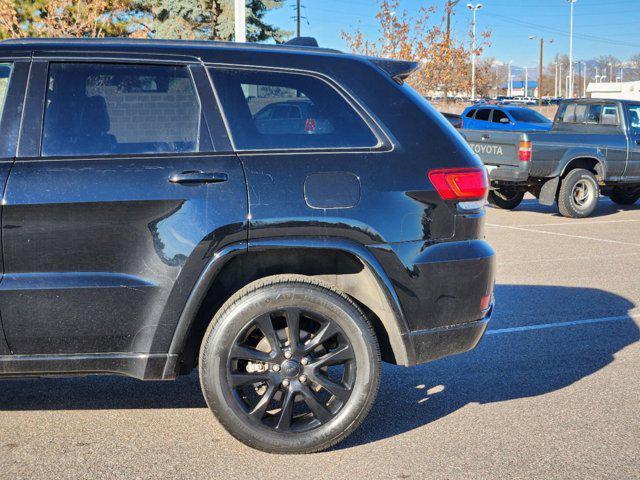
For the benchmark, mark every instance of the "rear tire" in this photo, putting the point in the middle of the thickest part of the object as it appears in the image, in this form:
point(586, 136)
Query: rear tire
point(505, 198)
point(289, 365)
point(625, 196)
point(578, 195)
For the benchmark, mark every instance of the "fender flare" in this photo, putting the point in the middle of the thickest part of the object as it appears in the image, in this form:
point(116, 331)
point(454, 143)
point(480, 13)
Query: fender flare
point(395, 327)
point(578, 154)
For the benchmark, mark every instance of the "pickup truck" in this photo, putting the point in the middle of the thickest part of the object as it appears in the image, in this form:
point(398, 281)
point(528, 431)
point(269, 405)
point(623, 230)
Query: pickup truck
point(592, 149)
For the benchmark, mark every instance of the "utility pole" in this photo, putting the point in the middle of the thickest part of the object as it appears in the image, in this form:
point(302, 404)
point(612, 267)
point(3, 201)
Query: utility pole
point(509, 78)
point(570, 91)
point(540, 75)
point(474, 9)
point(239, 20)
point(298, 19)
point(526, 81)
point(597, 76)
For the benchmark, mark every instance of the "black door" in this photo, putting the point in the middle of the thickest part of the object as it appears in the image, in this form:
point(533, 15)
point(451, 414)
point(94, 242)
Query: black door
point(110, 217)
point(13, 80)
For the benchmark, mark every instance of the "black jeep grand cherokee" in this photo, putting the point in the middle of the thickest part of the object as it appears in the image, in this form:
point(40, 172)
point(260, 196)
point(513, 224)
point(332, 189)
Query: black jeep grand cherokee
point(282, 216)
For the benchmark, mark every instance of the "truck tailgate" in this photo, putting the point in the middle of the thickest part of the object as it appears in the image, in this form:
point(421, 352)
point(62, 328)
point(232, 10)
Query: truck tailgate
point(495, 148)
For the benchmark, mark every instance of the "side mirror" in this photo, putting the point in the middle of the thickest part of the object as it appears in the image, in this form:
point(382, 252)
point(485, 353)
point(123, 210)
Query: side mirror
point(504, 120)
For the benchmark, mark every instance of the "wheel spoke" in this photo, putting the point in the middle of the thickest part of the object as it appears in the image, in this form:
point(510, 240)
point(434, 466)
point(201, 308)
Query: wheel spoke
point(321, 412)
point(292, 316)
point(286, 415)
point(239, 379)
point(241, 352)
point(266, 327)
point(334, 388)
point(340, 355)
point(263, 404)
point(325, 333)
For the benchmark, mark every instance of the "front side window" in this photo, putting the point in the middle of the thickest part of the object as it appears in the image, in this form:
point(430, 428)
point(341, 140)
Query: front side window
point(634, 119)
point(102, 109)
point(5, 76)
point(499, 117)
point(273, 110)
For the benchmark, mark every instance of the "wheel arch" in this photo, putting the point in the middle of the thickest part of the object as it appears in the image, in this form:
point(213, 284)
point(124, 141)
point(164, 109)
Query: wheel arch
point(588, 162)
point(343, 265)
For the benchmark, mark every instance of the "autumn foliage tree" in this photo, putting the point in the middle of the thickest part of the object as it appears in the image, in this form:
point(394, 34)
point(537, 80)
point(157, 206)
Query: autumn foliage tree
point(187, 19)
point(445, 62)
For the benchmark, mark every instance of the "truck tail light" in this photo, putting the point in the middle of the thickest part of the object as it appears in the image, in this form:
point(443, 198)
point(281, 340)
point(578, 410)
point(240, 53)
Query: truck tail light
point(460, 183)
point(524, 152)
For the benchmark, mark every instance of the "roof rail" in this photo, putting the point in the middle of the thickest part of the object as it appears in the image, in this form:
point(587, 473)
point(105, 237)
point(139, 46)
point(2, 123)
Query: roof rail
point(302, 42)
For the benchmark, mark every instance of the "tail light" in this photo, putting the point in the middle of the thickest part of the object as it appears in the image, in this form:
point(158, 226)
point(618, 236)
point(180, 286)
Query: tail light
point(524, 152)
point(460, 183)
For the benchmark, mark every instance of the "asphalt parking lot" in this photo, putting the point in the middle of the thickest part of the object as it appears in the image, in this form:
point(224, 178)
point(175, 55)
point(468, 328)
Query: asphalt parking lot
point(553, 391)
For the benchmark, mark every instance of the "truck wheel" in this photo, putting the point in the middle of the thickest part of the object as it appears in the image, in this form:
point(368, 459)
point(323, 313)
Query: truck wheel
point(505, 198)
point(289, 365)
point(578, 196)
point(625, 196)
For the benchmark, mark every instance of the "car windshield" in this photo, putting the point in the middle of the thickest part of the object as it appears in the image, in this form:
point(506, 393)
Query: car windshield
point(530, 116)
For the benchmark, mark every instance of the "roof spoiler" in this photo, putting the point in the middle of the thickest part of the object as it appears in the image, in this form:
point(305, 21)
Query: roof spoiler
point(399, 70)
point(302, 42)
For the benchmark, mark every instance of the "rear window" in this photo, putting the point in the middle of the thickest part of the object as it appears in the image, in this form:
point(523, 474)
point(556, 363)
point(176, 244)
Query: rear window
point(483, 114)
point(596, 114)
point(98, 109)
point(275, 110)
point(529, 116)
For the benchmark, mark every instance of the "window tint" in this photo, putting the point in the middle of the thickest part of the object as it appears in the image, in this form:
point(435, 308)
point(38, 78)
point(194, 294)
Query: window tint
point(498, 115)
point(634, 119)
point(94, 109)
point(471, 112)
point(306, 112)
point(483, 114)
point(527, 115)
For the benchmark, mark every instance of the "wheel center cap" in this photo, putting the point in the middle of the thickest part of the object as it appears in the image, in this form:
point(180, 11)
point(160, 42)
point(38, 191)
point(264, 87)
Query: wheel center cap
point(290, 368)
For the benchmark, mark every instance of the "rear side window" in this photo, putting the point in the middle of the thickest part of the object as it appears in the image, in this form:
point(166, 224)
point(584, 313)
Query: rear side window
point(273, 110)
point(483, 114)
point(101, 109)
point(471, 113)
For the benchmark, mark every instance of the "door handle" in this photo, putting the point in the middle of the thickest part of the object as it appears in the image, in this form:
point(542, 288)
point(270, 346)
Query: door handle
point(198, 176)
point(638, 141)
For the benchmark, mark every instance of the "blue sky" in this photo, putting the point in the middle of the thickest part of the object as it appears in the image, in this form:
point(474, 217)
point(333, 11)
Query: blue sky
point(601, 27)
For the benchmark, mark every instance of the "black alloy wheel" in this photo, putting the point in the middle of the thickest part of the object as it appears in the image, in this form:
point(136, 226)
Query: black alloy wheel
point(290, 365)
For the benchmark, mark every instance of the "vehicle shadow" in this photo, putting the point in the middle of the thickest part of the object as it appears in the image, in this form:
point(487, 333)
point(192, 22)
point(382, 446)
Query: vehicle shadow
point(507, 365)
point(504, 366)
point(605, 208)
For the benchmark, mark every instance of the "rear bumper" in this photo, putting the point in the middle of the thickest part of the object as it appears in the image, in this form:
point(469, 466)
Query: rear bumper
point(505, 173)
point(428, 345)
point(442, 290)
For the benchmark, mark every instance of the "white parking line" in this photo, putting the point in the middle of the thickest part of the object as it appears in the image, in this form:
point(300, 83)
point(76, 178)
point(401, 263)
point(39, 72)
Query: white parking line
point(576, 222)
point(582, 237)
point(545, 326)
point(568, 259)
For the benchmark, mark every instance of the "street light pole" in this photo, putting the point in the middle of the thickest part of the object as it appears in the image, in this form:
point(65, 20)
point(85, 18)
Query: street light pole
point(239, 20)
point(570, 91)
point(474, 9)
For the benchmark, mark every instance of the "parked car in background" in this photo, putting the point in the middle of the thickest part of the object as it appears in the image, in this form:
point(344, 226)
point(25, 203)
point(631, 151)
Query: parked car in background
point(453, 118)
point(592, 149)
point(159, 216)
point(506, 118)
